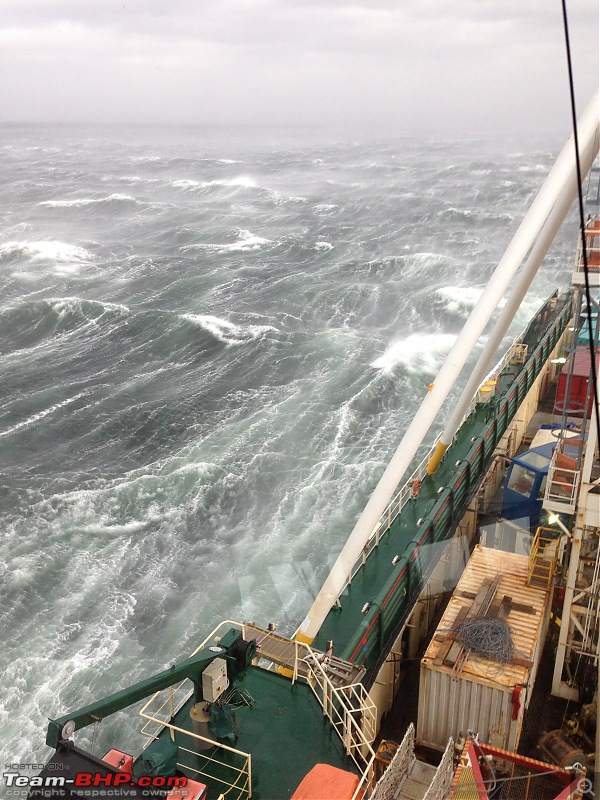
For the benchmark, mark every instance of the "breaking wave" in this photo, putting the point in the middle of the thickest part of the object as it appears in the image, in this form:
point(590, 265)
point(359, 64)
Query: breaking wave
point(242, 181)
point(185, 184)
point(44, 251)
point(461, 299)
point(227, 332)
point(418, 353)
point(31, 322)
point(41, 414)
point(246, 241)
point(83, 202)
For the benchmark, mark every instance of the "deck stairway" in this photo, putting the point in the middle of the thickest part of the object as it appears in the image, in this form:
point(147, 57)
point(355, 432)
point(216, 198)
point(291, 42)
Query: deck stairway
point(542, 558)
point(407, 778)
point(293, 657)
point(418, 780)
point(564, 475)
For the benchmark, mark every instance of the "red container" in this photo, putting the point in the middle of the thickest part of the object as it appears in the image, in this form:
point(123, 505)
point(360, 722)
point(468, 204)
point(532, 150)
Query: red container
point(575, 403)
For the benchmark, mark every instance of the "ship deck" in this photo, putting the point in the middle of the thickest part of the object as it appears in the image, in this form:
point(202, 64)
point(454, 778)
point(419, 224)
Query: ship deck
point(347, 617)
point(343, 621)
point(285, 732)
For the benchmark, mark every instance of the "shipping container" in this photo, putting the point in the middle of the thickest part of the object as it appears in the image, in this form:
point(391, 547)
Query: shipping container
point(577, 387)
point(461, 690)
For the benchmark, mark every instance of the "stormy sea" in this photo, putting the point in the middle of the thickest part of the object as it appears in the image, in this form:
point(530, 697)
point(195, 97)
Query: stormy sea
point(211, 341)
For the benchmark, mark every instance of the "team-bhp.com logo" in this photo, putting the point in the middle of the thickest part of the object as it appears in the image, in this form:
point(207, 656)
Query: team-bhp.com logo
point(97, 782)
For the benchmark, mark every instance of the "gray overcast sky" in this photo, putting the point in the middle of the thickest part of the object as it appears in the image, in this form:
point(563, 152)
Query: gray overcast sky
point(431, 65)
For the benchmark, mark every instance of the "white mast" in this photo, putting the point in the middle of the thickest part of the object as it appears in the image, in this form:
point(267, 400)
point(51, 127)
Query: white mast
point(560, 176)
point(589, 151)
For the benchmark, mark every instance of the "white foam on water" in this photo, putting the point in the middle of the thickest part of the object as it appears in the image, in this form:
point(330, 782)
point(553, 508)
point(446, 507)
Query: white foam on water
point(244, 181)
point(462, 298)
point(62, 258)
point(140, 378)
point(227, 332)
point(541, 168)
point(78, 660)
point(427, 266)
point(419, 352)
point(323, 246)
point(51, 250)
point(246, 241)
point(185, 184)
point(88, 201)
point(24, 277)
point(64, 305)
point(41, 414)
point(107, 511)
point(465, 213)
point(128, 179)
point(115, 529)
point(66, 269)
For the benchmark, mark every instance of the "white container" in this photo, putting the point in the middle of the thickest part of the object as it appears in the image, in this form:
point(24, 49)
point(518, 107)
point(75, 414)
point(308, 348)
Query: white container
point(480, 697)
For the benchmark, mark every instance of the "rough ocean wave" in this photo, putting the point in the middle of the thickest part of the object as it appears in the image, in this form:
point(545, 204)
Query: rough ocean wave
point(203, 377)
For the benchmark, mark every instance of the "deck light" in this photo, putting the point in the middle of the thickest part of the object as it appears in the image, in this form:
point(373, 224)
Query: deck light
point(554, 519)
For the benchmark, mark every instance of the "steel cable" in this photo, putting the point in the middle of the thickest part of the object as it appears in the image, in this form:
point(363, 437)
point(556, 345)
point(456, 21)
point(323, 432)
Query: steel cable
point(487, 637)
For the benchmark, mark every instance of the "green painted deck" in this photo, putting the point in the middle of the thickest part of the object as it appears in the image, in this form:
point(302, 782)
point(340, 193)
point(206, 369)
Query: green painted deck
point(342, 623)
point(285, 733)
point(346, 625)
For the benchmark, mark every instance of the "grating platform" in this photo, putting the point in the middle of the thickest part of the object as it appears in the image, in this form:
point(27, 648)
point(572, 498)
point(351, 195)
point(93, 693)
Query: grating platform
point(285, 653)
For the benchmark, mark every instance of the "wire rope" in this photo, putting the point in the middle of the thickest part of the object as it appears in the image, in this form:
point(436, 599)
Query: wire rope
point(487, 637)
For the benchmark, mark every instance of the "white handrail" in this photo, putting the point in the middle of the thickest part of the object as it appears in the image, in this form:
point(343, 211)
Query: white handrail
point(244, 770)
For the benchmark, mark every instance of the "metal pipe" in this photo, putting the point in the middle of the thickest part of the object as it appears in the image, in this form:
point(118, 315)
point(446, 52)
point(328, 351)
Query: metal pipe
point(522, 241)
point(559, 688)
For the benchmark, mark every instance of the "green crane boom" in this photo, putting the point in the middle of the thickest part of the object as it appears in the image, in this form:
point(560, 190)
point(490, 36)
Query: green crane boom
point(237, 653)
